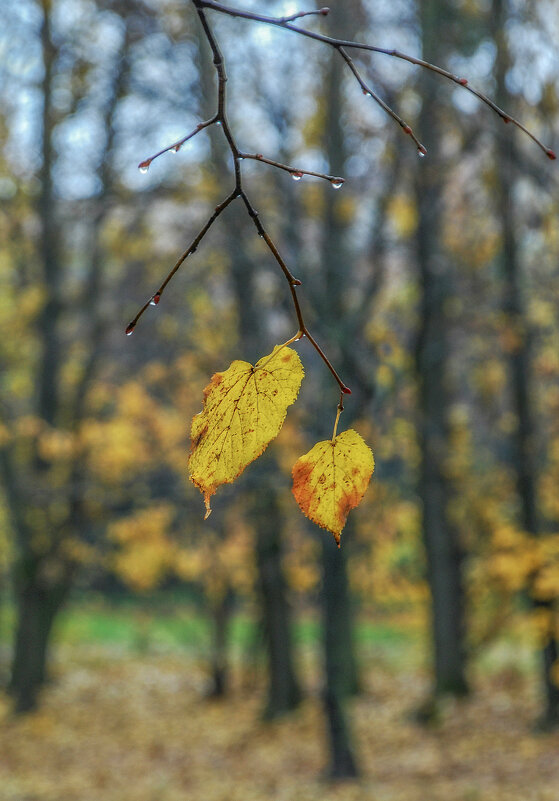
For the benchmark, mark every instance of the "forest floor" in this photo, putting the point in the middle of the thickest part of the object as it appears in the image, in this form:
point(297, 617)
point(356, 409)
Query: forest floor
point(133, 724)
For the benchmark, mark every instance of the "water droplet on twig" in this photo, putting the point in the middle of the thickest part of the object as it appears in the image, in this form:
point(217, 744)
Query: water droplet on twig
point(130, 329)
point(421, 151)
point(143, 166)
point(155, 299)
point(296, 175)
point(337, 183)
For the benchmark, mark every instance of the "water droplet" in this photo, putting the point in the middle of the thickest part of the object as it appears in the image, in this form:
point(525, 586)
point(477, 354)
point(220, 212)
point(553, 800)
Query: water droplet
point(130, 329)
point(218, 122)
point(337, 183)
point(155, 299)
point(143, 166)
point(296, 175)
point(295, 282)
point(367, 93)
point(421, 152)
point(176, 148)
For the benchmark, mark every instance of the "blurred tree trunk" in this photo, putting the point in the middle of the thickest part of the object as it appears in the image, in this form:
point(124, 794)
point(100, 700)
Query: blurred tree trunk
point(43, 578)
point(39, 600)
point(341, 675)
point(221, 616)
point(263, 509)
point(444, 554)
point(283, 689)
point(520, 352)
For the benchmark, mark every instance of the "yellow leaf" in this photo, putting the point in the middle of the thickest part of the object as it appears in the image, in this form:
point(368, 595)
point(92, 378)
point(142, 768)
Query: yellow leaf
point(244, 409)
point(332, 478)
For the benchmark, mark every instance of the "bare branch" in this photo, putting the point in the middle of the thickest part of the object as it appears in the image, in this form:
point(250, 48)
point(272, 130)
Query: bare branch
point(220, 118)
point(295, 172)
point(176, 146)
point(421, 149)
point(154, 300)
point(280, 22)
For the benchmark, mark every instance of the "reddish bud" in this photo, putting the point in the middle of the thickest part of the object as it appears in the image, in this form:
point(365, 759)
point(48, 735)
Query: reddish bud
point(506, 119)
point(130, 328)
point(324, 11)
point(296, 175)
point(143, 166)
point(346, 390)
point(463, 81)
point(550, 154)
point(295, 282)
point(406, 129)
point(155, 299)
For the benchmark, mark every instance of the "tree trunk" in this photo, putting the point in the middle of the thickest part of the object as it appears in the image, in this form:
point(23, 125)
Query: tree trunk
point(444, 554)
point(37, 606)
point(342, 762)
point(520, 356)
point(283, 689)
point(339, 652)
point(341, 678)
point(221, 614)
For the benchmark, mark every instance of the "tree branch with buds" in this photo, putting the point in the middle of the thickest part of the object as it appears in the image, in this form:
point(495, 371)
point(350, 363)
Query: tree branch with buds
point(232, 430)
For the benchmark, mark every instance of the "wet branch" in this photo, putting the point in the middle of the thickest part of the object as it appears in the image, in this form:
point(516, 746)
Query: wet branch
point(340, 44)
point(220, 118)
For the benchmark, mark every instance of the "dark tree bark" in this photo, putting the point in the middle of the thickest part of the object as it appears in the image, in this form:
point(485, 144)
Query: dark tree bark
point(341, 675)
point(444, 554)
point(221, 615)
point(43, 578)
point(283, 688)
point(284, 693)
point(519, 357)
point(38, 602)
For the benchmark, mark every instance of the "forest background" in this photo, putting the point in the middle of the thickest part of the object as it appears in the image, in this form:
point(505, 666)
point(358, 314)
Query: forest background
point(420, 660)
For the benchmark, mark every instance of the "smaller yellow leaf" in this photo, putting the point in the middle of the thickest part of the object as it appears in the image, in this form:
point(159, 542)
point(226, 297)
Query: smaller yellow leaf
point(331, 479)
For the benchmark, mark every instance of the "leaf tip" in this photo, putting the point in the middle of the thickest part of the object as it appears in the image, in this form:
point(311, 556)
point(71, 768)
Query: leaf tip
point(208, 507)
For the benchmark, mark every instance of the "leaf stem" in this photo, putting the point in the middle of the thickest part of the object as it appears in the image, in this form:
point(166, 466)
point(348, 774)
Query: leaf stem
point(277, 350)
point(339, 412)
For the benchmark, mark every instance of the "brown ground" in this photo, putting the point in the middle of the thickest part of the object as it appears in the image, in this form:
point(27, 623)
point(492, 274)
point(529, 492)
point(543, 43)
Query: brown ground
point(122, 728)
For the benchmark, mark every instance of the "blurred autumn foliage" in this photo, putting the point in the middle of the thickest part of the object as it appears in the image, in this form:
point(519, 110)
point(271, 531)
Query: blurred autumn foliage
point(434, 284)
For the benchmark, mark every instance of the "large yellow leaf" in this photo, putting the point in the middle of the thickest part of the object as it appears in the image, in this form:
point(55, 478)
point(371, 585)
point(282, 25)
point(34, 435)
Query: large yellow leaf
point(244, 409)
point(332, 478)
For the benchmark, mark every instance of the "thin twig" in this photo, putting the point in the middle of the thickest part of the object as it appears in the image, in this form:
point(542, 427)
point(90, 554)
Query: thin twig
point(320, 12)
point(220, 118)
point(421, 149)
point(280, 22)
point(154, 300)
point(176, 146)
point(295, 172)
